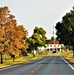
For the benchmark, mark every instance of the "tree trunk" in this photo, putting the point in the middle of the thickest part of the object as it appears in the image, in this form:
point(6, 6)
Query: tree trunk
point(1, 58)
point(14, 58)
point(33, 55)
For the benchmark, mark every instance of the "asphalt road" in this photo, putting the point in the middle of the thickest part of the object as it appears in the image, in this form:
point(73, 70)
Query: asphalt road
point(45, 66)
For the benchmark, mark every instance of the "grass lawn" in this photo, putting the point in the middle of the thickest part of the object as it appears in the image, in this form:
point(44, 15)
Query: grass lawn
point(68, 55)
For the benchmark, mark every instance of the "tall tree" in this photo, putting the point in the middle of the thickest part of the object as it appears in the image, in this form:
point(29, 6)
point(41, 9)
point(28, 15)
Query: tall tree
point(12, 36)
point(53, 38)
point(3, 20)
point(37, 39)
point(65, 29)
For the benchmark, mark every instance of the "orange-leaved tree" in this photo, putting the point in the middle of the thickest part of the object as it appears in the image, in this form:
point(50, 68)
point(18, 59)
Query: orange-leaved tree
point(12, 36)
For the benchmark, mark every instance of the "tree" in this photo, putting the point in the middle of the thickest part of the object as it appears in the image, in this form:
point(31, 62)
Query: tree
point(10, 39)
point(31, 43)
point(53, 38)
point(65, 29)
point(47, 41)
point(17, 43)
point(37, 39)
point(3, 20)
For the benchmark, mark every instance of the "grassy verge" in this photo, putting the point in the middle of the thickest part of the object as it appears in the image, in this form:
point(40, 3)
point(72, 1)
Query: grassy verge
point(22, 60)
point(67, 55)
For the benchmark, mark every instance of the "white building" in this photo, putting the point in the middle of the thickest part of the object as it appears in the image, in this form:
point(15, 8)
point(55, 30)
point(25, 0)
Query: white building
point(54, 46)
point(41, 49)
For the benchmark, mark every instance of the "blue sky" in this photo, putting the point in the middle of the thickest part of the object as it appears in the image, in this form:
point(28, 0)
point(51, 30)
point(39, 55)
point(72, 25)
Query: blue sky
point(41, 13)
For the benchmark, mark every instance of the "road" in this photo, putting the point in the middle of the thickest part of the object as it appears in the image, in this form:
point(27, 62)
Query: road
point(54, 65)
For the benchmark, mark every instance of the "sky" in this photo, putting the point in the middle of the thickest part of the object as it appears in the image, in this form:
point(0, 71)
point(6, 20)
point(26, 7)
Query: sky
point(40, 13)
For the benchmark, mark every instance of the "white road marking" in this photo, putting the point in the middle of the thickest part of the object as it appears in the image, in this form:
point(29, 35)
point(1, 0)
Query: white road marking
point(32, 71)
point(68, 64)
point(39, 66)
point(36, 68)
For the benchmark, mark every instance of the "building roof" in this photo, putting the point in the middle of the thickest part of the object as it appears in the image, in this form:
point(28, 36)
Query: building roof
point(53, 42)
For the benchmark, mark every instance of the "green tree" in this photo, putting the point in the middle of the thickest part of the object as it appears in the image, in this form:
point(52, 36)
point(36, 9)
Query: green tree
point(31, 43)
point(37, 39)
point(53, 38)
point(65, 29)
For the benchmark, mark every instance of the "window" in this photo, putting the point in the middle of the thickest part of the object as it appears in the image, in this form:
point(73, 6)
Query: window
point(50, 45)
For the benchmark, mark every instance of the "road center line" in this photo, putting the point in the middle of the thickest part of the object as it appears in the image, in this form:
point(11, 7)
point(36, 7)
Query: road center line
point(68, 64)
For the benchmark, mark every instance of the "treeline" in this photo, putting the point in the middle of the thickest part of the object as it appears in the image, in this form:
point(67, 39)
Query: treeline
point(65, 30)
point(13, 37)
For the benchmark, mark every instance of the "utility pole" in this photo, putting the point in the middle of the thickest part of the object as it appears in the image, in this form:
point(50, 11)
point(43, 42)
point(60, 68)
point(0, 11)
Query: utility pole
point(53, 31)
point(53, 34)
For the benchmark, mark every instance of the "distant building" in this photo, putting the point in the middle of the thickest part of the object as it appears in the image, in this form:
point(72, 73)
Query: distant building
point(54, 46)
point(41, 49)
